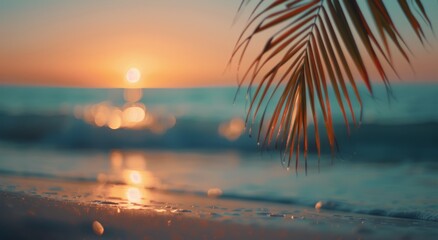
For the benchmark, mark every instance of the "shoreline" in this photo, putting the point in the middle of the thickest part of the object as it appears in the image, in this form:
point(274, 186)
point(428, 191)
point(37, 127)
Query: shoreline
point(47, 209)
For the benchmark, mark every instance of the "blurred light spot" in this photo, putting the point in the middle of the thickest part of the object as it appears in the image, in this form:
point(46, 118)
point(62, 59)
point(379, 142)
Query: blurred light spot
point(318, 205)
point(133, 195)
point(232, 129)
point(133, 115)
point(139, 178)
point(100, 119)
point(214, 192)
point(115, 120)
point(101, 114)
point(135, 177)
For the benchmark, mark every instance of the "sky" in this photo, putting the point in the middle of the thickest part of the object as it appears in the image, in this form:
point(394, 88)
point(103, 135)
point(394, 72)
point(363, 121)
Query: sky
point(174, 43)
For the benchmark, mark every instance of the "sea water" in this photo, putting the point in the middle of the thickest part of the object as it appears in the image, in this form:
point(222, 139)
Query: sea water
point(386, 167)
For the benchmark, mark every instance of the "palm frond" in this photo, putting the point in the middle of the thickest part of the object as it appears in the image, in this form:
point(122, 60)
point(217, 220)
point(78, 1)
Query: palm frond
point(313, 50)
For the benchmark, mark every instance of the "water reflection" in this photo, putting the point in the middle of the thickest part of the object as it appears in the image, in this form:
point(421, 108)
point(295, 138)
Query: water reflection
point(130, 171)
point(131, 176)
point(133, 195)
point(135, 177)
point(132, 94)
point(116, 159)
point(132, 115)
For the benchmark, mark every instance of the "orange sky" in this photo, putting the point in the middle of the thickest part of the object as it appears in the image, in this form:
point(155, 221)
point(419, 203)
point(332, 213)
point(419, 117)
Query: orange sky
point(174, 43)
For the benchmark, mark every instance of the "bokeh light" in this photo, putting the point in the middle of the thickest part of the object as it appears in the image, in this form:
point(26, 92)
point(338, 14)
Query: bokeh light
point(129, 116)
point(133, 195)
point(135, 177)
point(232, 129)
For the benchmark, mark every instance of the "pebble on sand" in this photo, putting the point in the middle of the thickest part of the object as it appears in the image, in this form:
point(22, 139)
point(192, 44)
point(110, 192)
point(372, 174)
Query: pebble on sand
point(318, 205)
point(214, 192)
point(98, 228)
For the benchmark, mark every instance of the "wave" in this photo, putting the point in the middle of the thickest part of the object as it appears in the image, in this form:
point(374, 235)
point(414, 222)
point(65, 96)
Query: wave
point(342, 207)
point(385, 141)
point(332, 205)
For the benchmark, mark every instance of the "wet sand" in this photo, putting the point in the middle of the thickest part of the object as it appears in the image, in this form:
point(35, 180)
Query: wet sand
point(26, 217)
point(43, 209)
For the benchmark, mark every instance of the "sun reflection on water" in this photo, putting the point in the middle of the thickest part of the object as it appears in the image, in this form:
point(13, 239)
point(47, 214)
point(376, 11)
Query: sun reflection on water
point(131, 169)
point(116, 159)
point(132, 95)
point(128, 177)
point(135, 177)
point(133, 195)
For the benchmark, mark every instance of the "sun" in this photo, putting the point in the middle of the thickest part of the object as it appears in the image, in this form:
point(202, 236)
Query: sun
point(133, 75)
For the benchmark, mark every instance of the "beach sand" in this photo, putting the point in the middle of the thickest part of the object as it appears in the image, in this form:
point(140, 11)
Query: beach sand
point(33, 208)
point(25, 217)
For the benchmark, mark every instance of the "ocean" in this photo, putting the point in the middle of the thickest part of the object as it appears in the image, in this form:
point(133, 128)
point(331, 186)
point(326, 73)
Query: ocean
point(194, 141)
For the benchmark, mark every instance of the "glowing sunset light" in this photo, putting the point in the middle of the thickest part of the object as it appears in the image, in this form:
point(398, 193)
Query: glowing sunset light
point(115, 120)
point(133, 114)
point(133, 75)
point(135, 177)
point(109, 41)
point(133, 195)
point(116, 158)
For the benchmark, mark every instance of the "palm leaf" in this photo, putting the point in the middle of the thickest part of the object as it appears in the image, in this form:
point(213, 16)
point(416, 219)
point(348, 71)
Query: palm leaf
point(313, 50)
